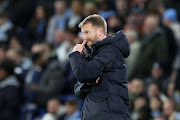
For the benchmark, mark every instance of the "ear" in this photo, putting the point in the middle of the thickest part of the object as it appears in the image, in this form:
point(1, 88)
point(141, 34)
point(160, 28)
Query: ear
point(100, 32)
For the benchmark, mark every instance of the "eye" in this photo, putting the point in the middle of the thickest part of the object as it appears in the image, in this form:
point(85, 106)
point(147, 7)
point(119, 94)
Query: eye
point(87, 32)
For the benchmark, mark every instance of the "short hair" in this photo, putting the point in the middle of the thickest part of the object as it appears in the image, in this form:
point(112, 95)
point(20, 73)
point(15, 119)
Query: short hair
point(55, 99)
point(3, 14)
point(62, 1)
point(8, 66)
point(72, 102)
point(3, 47)
point(95, 20)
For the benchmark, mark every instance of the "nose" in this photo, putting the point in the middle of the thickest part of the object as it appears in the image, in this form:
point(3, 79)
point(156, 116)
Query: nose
point(84, 38)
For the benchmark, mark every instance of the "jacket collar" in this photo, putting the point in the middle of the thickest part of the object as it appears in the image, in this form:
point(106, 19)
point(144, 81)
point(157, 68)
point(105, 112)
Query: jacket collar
point(96, 46)
point(11, 80)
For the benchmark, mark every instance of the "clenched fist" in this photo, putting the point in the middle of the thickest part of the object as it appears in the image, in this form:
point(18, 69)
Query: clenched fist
point(80, 47)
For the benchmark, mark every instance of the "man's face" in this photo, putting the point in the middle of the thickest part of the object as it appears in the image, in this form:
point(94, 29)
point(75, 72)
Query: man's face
point(168, 108)
point(59, 7)
point(153, 90)
point(53, 106)
point(90, 34)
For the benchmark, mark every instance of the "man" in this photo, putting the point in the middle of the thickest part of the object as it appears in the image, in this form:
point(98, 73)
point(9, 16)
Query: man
point(72, 111)
point(102, 71)
point(57, 22)
point(154, 47)
point(9, 91)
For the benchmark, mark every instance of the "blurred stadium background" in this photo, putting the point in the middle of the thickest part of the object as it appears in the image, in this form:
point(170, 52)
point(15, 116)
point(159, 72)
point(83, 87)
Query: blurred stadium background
point(36, 37)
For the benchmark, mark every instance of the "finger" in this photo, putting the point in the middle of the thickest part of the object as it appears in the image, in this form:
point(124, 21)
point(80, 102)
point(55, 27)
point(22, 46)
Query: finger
point(84, 42)
point(83, 51)
point(97, 79)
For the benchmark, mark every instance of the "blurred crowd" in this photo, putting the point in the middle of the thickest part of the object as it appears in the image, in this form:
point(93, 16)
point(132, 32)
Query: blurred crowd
point(36, 37)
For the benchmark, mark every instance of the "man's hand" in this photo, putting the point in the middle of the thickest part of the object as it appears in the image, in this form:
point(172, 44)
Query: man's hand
point(80, 47)
point(97, 80)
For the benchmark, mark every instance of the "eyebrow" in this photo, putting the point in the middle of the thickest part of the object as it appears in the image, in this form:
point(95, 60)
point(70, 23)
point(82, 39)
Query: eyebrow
point(85, 31)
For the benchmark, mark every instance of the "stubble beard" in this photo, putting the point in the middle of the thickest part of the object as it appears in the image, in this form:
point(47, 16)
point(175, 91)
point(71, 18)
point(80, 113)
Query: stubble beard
point(93, 41)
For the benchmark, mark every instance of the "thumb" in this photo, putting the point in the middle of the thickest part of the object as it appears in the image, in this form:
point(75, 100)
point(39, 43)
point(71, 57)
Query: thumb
point(84, 42)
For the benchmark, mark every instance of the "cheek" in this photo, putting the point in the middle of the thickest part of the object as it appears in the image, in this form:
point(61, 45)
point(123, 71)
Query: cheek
point(88, 37)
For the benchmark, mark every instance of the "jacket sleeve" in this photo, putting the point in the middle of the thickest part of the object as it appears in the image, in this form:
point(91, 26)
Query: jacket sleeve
point(88, 72)
point(81, 89)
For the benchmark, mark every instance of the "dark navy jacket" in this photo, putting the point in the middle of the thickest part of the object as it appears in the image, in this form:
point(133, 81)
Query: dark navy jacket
point(108, 99)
